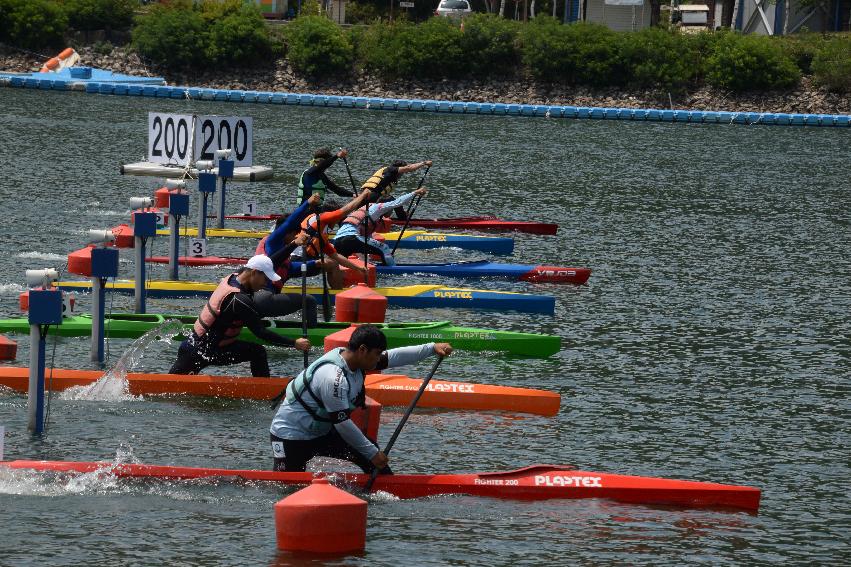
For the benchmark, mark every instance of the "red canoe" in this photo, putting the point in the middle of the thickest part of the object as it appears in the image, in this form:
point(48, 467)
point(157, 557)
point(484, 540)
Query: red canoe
point(485, 223)
point(538, 482)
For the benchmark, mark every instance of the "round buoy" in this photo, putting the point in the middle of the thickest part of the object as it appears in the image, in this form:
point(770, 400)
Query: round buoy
point(321, 519)
point(360, 304)
point(339, 338)
point(352, 277)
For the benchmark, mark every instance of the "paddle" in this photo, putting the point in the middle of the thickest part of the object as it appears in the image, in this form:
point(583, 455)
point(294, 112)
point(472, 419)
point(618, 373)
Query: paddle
point(410, 211)
point(304, 305)
point(352, 179)
point(326, 298)
point(404, 419)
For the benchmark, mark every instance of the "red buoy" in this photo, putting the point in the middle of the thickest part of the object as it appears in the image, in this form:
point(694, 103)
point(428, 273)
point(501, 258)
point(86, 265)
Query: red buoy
point(80, 262)
point(338, 339)
point(321, 519)
point(161, 198)
point(9, 350)
point(352, 277)
point(360, 304)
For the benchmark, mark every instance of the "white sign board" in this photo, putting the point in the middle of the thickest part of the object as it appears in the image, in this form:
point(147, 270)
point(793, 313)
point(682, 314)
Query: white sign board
point(406, 4)
point(198, 247)
point(180, 139)
point(168, 138)
point(249, 208)
point(225, 132)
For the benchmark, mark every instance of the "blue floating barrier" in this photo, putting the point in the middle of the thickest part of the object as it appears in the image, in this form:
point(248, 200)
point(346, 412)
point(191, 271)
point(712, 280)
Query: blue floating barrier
point(485, 107)
point(458, 107)
point(374, 102)
point(149, 90)
point(292, 98)
point(60, 85)
point(347, 101)
point(233, 96)
point(654, 114)
point(17, 81)
point(710, 116)
point(306, 99)
point(278, 98)
point(767, 118)
point(106, 88)
point(444, 106)
point(583, 112)
point(178, 93)
point(194, 92)
point(164, 92)
point(797, 119)
point(93, 87)
point(389, 104)
point(360, 102)
point(220, 94)
point(811, 120)
point(45, 84)
point(417, 105)
point(472, 107)
point(134, 90)
point(500, 108)
point(513, 110)
point(430, 105)
point(554, 111)
point(332, 100)
point(826, 119)
point(569, 112)
point(596, 113)
point(667, 115)
point(31, 83)
point(264, 98)
point(120, 90)
point(527, 110)
point(678, 116)
point(782, 119)
point(403, 104)
point(842, 120)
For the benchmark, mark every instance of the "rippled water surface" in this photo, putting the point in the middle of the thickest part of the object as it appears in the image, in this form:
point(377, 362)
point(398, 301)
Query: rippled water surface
point(712, 342)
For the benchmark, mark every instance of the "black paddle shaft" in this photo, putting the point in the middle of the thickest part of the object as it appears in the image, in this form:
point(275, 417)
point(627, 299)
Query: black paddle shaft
point(351, 179)
point(410, 211)
point(304, 305)
point(326, 299)
point(404, 419)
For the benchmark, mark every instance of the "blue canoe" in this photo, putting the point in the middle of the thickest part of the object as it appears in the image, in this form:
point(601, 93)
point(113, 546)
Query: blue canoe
point(487, 269)
point(414, 296)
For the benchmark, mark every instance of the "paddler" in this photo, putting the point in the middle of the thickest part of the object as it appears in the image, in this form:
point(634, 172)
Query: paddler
point(384, 180)
point(358, 227)
point(317, 241)
point(313, 180)
point(231, 306)
point(314, 418)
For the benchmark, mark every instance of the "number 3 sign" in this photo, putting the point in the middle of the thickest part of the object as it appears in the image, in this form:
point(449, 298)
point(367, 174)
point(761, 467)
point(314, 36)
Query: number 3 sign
point(180, 139)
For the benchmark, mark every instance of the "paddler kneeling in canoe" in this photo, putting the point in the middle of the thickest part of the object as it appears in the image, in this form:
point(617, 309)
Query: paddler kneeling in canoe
point(319, 243)
point(359, 227)
point(231, 306)
point(314, 418)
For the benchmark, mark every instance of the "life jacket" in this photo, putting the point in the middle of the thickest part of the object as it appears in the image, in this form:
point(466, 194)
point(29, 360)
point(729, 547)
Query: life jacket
point(317, 187)
point(362, 221)
point(317, 241)
point(300, 387)
point(211, 311)
point(373, 182)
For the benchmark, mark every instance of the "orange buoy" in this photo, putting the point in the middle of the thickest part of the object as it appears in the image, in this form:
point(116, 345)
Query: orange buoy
point(360, 304)
point(161, 198)
point(80, 262)
point(351, 277)
point(9, 350)
point(367, 419)
point(66, 58)
point(123, 236)
point(321, 519)
point(341, 339)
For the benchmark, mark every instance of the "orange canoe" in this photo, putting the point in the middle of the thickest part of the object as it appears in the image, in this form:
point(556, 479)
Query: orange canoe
point(386, 389)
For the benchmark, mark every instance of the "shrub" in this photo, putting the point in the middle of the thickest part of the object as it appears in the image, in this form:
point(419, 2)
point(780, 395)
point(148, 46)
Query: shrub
point(100, 14)
point(174, 36)
point(657, 58)
point(489, 44)
point(750, 62)
point(581, 53)
point(317, 46)
point(802, 48)
point(238, 36)
point(363, 12)
point(32, 24)
point(404, 50)
point(832, 65)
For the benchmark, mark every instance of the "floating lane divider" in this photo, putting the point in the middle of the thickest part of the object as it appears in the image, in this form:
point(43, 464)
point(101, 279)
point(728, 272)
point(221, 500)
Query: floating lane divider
point(412, 296)
point(104, 82)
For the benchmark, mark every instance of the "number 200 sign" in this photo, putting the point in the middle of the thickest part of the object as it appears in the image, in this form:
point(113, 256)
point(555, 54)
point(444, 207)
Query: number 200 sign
point(178, 139)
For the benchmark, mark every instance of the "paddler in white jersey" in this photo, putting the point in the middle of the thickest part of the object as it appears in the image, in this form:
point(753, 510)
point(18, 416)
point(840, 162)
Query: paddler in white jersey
point(314, 418)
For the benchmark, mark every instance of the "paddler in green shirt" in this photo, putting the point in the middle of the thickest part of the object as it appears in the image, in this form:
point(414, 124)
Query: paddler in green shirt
point(313, 179)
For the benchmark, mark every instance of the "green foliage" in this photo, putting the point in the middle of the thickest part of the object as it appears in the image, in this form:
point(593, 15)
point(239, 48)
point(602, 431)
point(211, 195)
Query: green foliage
point(582, 53)
point(317, 46)
point(363, 12)
point(404, 50)
point(103, 47)
point(663, 59)
point(32, 24)
point(489, 44)
point(832, 65)
point(750, 62)
point(802, 48)
point(100, 14)
point(174, 36)
point(238, 37)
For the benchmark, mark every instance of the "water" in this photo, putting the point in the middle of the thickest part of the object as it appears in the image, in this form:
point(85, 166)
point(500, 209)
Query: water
point(712, 342)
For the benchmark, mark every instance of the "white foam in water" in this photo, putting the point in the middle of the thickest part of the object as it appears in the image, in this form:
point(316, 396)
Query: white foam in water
point(10, 288)
point(113, 385)
point(42, 256)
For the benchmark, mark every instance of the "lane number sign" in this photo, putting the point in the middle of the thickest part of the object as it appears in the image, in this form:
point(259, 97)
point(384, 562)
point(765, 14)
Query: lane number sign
point(197, 247)
point(180, 139)
point(249, 208)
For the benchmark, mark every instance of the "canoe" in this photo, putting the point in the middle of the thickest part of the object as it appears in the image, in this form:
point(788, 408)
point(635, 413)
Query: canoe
point(412, 296)
point(412, 239)
point(134, 325)
point(386, 389)
point(537, 482)
point(474, 269)
point(484, 223)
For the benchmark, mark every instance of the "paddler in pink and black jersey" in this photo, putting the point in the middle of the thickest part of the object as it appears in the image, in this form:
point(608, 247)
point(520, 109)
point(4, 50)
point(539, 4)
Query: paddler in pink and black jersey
point(358, 227)
point(314, 418)
point(230, 308)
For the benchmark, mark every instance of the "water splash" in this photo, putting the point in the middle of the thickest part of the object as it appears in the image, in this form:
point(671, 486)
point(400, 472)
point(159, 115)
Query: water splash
point(42, 256)
point(113, 385)
point(10, 288)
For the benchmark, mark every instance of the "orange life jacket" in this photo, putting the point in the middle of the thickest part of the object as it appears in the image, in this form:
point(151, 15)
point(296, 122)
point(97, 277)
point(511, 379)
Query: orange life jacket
point(317, 241)
point(210, 312)
point(365, 225)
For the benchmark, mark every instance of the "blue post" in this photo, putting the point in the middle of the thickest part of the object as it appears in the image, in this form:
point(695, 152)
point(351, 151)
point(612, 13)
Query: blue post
point(104, 265)
point(178, 206)
point(225, 172)
point(144, 227)
point(45, 309)
point(206, 185)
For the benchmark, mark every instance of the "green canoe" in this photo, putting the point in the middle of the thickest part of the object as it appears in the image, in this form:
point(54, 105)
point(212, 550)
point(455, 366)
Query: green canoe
point(131, 326)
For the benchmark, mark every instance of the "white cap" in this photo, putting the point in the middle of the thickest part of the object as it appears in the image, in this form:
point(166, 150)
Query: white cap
point(263, 263)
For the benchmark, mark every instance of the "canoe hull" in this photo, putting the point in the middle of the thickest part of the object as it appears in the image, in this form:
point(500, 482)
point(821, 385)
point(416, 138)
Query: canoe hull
point(386, 389)
point(413, 296)
point(538, 482)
